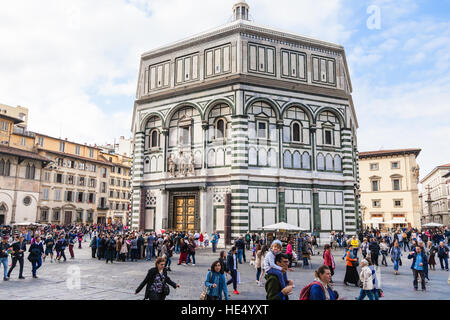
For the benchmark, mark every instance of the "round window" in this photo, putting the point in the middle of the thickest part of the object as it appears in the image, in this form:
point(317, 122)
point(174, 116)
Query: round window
point(27, 201)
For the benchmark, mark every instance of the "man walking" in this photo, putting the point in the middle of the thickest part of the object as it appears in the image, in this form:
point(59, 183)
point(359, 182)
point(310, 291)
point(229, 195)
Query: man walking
point(232, 265)
point(215, 239)
point(240, 245)
point(149, 249)
point(18, 247)
point(443, 255)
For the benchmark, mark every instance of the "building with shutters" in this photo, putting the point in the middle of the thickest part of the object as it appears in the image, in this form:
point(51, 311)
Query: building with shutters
point(389, 182)
point(244, 126)
point(435, 196)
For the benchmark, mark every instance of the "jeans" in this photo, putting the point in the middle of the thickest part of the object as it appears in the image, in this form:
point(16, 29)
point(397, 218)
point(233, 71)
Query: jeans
point(396, 265)
point(177, 248)
point(14, 262)
point(364, 293)
point(442, 260)
point(149, 253)
point(258, 273)
point(233, 279)
point(416, 274)
point(189, 256)
point(240, 253)
point(36, 265)
point(214, 246)
point(384, 261)
point(4, 261)
point(355, 252)
point(169, 262)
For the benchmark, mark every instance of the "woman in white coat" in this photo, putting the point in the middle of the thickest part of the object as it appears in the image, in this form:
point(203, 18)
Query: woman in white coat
point(366, 280)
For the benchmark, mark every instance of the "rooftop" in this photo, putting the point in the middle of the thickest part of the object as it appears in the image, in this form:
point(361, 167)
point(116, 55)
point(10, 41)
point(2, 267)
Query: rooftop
point(22, 153)
point(386, 153)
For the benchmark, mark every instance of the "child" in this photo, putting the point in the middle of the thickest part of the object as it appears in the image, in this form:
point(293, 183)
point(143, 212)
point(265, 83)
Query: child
point(269, 262)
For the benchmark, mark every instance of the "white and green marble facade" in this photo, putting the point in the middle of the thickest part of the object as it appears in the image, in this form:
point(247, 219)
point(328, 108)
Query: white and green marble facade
point(304, 175)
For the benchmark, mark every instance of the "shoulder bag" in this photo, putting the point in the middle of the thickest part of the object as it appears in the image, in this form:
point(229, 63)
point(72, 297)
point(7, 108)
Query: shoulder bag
point(204, 294)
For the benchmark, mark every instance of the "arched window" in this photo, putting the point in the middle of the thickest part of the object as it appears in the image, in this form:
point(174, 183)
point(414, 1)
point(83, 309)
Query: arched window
point(154, 139)
point(337, 163)
point(296, 136)
point(220, 129)
point(306, 161)
point(297, 161)
point(329, 162)
point(2, 167)
point(252, 157)
point(320, 162)
point(262, 157)
point(28, 172)
point(287, 159)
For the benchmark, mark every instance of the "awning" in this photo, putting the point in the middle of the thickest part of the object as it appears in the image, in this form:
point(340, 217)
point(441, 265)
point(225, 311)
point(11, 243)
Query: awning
point(397, 221)
point(374, 221)
point(282, 226)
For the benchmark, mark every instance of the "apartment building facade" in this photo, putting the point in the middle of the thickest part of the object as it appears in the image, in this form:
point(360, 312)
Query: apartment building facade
point(389, 188)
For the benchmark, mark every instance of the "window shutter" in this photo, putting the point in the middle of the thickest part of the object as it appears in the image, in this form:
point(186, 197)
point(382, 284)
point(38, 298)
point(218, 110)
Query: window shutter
point(65, 195)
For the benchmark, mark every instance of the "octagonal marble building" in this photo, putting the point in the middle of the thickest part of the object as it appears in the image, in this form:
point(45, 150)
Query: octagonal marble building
point(241, 127)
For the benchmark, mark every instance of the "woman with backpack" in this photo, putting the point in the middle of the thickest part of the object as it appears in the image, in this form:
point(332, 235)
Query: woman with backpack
point(216, 283)
point(320, 288)
point(183, 252)
point(157, 282)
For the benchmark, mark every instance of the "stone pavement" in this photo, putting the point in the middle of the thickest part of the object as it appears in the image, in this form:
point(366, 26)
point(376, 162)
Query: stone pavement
point(118, 281)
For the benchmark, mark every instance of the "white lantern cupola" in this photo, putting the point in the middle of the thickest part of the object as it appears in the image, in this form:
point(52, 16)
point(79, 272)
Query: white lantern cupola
point(240, 11)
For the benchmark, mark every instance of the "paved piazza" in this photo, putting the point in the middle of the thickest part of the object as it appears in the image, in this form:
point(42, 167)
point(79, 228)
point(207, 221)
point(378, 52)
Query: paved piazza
point(100, 281)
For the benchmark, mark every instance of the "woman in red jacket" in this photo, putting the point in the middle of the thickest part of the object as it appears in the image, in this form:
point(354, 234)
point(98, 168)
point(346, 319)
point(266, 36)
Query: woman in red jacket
point(328, 259)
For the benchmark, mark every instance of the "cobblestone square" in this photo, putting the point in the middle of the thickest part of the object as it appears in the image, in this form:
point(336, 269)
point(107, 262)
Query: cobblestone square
point(118, 281)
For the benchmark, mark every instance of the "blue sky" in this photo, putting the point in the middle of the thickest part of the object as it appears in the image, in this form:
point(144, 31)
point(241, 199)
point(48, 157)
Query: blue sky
point(74, 64)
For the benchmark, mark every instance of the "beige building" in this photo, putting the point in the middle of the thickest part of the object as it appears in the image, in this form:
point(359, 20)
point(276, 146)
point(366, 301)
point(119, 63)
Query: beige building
point(389, 188)
point(71, 181)
point(20, 172)
point(119, 186)
point(435, 196)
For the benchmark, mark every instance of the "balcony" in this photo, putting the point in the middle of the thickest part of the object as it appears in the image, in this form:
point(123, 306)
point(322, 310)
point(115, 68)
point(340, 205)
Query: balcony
point(22, 132)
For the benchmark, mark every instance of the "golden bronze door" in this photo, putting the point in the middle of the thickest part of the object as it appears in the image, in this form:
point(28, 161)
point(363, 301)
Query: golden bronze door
point(184, 214)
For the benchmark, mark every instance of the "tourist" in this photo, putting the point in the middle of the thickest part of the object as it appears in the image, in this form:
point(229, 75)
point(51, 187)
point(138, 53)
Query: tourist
point(110, 249)
point(355, 246)
point(364, 247)
point(183, 252)
point(278, 287)
point(328, 259)
point(191, 252)
point(35, 257)
point(240, 245)
point(101, 247)
point(351, 274)
point(442, 252)
point(206, 239)
point(4, 248)
point(396, 254)
point(49, 245)
point(289, 252)
point(431, 252)
point(366, 280)
point(384, 247)
point(157, 282)
point(417, 267)
point(216, 283)
point(60, 248)
point(18, 248)
point(71, 244)
point(134, 255)
point(93, 245)
point(263, 253)
point(149, 249)
point(320, 289)
point(258, 253)
point(232, 266)
point(200, 240)
point(214, 240)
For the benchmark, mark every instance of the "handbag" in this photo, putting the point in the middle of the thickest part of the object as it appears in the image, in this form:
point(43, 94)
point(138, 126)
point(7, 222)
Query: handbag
point(204, 294)
point(355, 263)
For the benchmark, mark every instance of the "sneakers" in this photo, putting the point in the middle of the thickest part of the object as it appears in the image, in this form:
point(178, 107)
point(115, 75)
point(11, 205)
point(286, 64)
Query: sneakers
point(5, 279)
point(193, 264)
point(235, 292)
point(21, 277)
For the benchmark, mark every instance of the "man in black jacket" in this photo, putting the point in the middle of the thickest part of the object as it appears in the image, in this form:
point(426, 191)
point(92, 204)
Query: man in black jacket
point(240, 245)
point(443, 255)
point(232, 265)
point(19, 247)
point(374, 249)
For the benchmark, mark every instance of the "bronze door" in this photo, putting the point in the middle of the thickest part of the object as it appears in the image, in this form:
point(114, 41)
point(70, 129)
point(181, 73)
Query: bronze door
point(184, 214)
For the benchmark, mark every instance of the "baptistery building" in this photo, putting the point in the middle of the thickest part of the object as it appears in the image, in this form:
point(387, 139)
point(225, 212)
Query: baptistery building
point(241, 127)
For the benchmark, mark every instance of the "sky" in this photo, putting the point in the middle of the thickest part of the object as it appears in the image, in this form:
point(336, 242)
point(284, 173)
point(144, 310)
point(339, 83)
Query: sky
point(75, 63)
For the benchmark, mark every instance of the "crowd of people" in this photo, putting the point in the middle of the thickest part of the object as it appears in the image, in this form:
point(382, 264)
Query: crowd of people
point(272, 258)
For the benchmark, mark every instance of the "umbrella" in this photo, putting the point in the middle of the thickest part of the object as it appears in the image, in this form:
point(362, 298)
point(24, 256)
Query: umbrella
point(282, 226)
point(432, 224)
